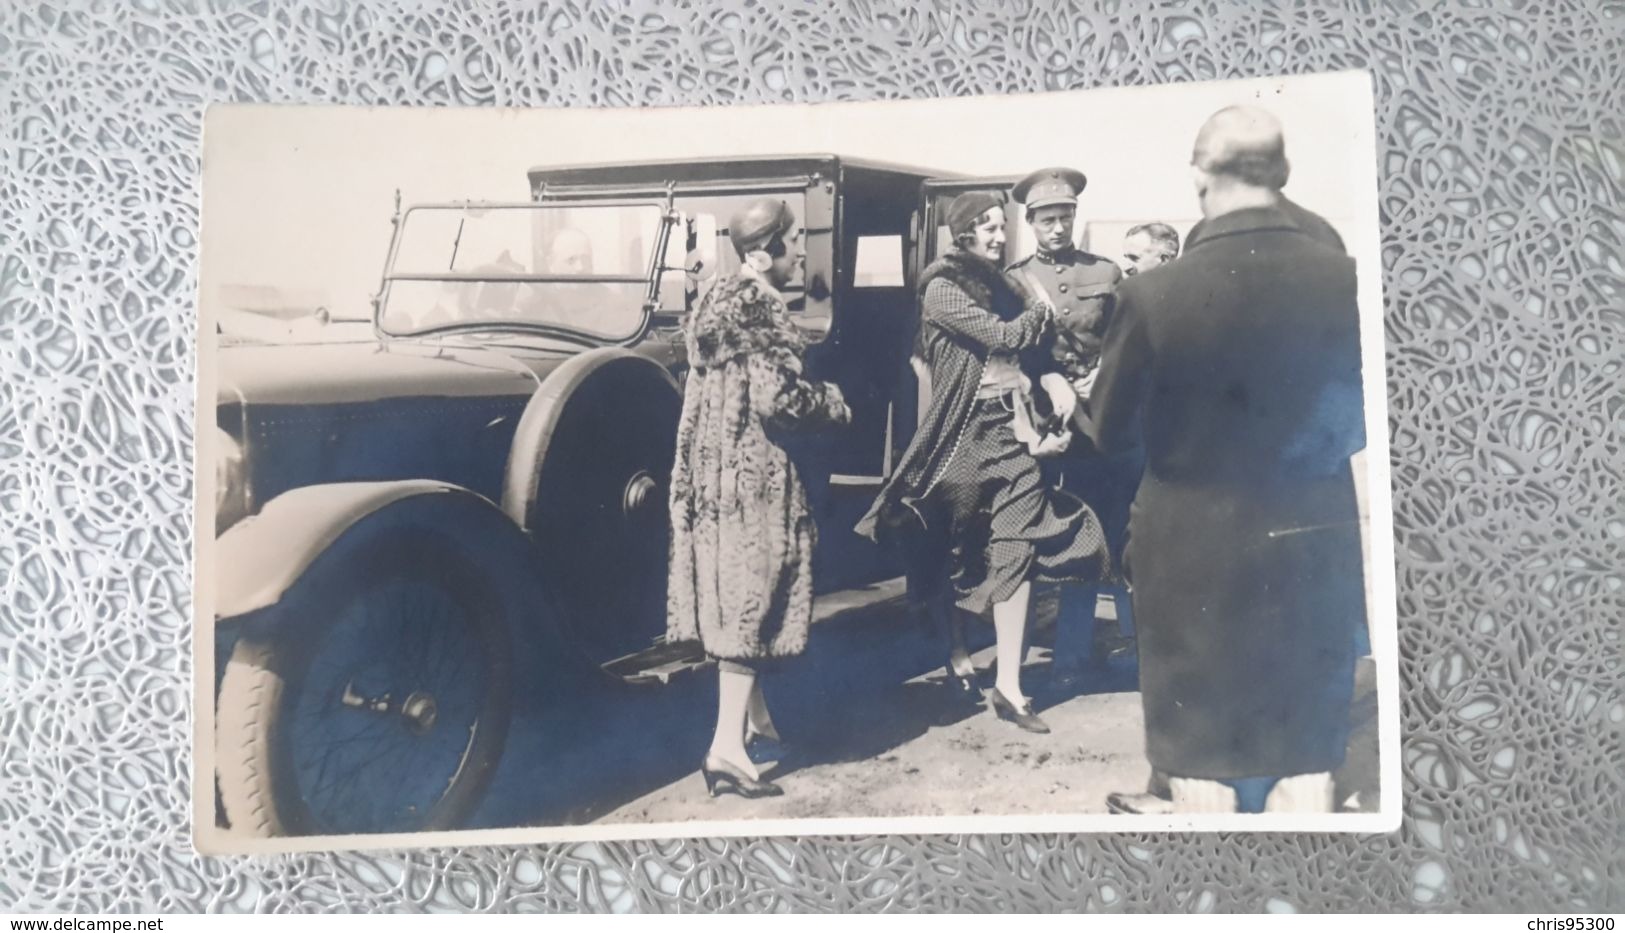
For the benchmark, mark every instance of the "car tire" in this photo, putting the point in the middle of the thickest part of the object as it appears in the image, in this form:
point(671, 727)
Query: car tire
point(374, 697)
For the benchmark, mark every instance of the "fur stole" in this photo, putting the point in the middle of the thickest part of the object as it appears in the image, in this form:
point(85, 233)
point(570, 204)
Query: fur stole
point(980, 278)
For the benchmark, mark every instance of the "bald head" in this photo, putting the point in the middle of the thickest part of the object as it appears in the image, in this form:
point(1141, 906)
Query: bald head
point(570, 253)
point(1243, 144)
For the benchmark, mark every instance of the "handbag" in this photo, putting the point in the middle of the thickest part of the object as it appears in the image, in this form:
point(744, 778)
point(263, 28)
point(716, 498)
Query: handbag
point(1044, 436)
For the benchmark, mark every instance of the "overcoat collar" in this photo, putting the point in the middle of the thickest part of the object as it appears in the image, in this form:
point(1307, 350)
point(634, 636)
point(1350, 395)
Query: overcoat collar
point(1247, 220)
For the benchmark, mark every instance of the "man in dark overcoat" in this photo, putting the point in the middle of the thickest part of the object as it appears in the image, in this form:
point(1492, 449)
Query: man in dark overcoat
point(1243, 360)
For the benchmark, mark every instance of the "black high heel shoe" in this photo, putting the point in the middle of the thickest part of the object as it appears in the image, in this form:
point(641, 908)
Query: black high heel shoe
point(1022, 715)
point(720, 771)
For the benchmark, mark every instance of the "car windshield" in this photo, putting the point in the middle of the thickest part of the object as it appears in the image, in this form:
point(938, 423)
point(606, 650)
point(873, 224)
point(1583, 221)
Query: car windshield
point(582, 269)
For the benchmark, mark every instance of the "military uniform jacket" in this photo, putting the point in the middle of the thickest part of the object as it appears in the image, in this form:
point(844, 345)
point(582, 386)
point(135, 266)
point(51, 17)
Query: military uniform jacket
point(1080, 286)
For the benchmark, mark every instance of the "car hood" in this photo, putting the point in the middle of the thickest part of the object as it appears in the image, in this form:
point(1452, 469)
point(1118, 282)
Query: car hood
point(362, 371)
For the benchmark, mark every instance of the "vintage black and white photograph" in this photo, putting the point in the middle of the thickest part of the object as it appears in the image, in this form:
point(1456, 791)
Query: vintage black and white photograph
point(985, 464)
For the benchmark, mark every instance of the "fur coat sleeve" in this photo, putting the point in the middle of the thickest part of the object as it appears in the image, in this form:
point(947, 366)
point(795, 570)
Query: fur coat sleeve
point(783, 399)
point(742, 534)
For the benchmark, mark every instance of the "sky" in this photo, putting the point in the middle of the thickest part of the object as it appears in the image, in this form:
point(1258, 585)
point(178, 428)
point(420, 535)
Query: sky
point(297, 199)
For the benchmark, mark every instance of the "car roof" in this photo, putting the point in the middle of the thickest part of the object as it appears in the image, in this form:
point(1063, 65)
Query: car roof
point(711, 169)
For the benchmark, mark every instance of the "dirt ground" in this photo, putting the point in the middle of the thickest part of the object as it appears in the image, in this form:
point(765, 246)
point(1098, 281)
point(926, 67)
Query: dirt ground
point(965, 761)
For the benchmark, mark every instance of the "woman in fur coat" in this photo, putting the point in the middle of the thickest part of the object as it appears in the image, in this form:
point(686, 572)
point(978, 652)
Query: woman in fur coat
point(968, 474)
point(742, 534)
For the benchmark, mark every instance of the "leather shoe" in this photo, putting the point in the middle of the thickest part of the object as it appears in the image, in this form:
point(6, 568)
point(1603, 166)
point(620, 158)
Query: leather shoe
point(1138, 803)
point(724, 774)
point(1022, 715)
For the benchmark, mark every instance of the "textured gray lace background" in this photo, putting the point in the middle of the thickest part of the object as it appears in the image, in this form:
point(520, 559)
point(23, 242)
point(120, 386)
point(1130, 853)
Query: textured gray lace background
point(1503, 236)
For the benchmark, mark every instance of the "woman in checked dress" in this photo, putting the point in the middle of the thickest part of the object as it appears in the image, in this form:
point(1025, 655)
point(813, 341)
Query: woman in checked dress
point(968, 475)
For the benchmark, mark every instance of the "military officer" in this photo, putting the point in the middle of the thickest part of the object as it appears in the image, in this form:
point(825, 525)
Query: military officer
point(1079, 285)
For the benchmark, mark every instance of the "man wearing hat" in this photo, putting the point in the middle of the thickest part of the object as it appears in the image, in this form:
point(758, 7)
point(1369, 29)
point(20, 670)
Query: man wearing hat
point(1077, 284)
point(1080, 286)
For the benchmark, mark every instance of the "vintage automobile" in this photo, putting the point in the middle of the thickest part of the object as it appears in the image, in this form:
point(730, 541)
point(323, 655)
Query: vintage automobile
point(426, 517)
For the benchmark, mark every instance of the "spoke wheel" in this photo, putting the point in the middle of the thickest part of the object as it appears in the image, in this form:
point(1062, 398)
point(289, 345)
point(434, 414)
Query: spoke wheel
point(380, 704)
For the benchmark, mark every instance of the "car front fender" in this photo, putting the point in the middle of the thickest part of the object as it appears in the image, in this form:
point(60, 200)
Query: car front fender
point(533, 439)
point(258, 559)
point(308, 532)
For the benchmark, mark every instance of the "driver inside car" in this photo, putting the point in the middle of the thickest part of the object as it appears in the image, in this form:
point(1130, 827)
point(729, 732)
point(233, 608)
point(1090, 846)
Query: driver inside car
point(570, 252)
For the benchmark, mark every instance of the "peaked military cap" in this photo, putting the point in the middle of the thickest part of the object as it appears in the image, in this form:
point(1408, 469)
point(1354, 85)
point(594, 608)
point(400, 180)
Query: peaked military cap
point(1047, 186)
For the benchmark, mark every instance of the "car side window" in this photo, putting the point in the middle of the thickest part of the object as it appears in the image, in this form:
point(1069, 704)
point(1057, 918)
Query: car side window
point(708, 254)
point(879, 262)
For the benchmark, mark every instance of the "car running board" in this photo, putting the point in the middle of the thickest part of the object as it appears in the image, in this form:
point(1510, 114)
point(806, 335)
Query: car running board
point(658, 663)
point(664, 660)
